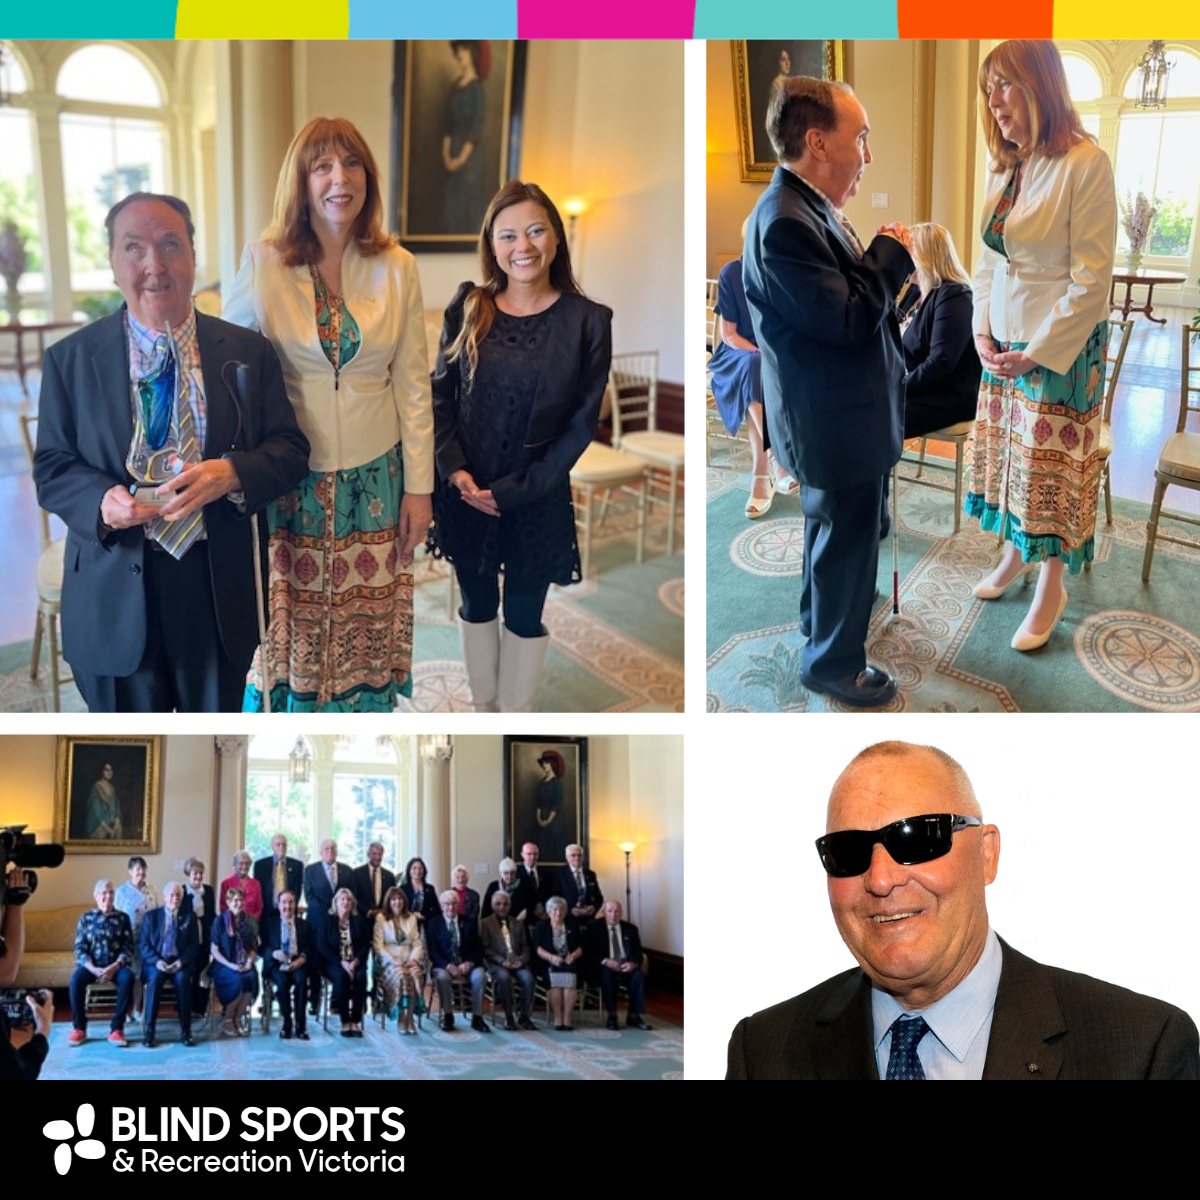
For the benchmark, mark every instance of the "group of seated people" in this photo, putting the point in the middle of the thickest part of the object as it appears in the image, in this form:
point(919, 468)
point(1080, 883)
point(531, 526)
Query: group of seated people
point(554, 923)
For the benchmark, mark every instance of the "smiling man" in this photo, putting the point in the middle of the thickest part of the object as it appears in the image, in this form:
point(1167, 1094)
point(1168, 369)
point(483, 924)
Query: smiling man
point(937, 994)
point(155, 456)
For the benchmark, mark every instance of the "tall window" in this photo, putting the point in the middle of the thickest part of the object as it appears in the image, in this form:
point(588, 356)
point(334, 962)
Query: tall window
point(1156, 154)
point(18, 187)
point(361, 790)
point(1083, 82)
point(113, 144)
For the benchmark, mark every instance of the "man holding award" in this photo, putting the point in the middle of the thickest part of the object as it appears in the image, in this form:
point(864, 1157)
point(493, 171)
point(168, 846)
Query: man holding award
point(162, 432)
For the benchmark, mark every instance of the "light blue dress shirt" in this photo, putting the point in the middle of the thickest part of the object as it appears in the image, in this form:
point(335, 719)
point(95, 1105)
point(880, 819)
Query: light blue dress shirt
point(959, 1023)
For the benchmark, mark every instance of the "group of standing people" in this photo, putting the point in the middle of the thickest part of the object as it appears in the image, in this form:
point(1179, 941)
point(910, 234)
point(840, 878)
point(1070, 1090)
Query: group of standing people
point(329, 424)
point(835, 368)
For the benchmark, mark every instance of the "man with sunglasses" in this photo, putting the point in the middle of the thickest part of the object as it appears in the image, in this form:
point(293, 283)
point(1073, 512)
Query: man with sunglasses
point(937, 994)
point(161, 432)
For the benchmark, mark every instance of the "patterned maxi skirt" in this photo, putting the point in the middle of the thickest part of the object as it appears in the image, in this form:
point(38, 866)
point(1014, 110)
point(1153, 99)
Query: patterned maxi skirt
point(341, 623)
point(1036, 470)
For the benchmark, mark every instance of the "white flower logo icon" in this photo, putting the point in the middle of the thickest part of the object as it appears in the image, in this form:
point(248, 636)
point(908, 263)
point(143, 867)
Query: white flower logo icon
point(63, 1131)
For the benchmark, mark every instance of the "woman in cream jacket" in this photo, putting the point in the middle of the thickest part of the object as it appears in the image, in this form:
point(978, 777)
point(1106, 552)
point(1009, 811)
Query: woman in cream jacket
point(1041, 308)
point(341, 303)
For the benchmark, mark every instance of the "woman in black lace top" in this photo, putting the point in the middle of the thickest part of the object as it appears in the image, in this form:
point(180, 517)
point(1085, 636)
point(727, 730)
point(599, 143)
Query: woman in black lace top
point(521, 371)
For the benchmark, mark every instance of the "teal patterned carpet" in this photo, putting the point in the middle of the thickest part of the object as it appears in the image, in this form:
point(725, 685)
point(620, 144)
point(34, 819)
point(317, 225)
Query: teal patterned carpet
point(1121, 647)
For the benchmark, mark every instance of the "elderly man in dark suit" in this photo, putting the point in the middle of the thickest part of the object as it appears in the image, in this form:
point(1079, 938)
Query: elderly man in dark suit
point(457, 956)
point(161, 433)
point(823, 307)
point(287, 951)
point(278, 873)
point(615, 951)
point(169, 943)
point(937, 994)
point(580, 888)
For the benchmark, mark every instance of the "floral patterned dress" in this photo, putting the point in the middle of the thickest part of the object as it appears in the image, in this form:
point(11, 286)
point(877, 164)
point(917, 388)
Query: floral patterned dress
point(341, 619)
point(1036, 471)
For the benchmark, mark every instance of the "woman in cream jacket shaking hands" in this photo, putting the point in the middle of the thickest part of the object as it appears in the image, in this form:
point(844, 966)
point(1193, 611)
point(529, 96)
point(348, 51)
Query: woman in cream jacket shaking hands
point(341, 303)
point(1041, 308)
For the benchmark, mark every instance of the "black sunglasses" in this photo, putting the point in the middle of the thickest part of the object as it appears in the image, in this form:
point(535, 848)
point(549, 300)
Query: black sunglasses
point(911, 841)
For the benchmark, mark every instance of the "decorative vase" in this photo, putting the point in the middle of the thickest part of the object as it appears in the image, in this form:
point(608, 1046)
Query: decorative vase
point(1133, 260)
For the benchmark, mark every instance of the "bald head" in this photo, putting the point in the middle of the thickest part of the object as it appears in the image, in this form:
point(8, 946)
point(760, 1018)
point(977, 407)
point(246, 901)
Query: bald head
point(869, 770)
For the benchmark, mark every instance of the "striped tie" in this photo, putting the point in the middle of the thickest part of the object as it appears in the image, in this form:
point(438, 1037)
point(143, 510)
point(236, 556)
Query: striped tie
point(178, 537)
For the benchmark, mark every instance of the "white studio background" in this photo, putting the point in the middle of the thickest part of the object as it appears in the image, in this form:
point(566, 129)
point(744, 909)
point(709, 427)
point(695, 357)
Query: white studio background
point(1096, 816)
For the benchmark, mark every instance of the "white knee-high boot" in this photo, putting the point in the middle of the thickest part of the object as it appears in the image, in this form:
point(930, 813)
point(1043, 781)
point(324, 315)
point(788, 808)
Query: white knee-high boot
point(521, 662)
point(481, 653)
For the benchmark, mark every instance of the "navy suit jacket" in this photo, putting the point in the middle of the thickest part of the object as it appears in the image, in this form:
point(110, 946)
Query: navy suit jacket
point(264, 872)
point(437, 942)
point(84, 430)
point(187, 937)
point(1047, 1024)
point(824, 320)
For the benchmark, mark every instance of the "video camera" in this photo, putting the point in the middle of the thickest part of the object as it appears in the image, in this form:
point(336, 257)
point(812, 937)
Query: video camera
point(22, 850)
point(13, 1006)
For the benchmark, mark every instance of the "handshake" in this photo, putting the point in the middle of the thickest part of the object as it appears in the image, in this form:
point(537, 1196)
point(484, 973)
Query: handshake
point(901, 233)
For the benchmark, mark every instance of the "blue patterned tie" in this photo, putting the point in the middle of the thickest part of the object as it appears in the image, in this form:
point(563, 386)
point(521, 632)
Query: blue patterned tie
point(903, 1062)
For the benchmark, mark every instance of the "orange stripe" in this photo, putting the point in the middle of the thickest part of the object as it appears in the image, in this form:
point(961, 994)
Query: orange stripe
point(952, 18)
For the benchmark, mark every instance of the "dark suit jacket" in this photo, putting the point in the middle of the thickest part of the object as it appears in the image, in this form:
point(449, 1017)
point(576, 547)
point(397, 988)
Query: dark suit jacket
point(939, 352)
point(318, 899)
point(363, 891)
point(570, 893)
point(566, 407)
point(187, 937)
point(84, 431)
point(596, 949)
point(437, 942)
point(825, 322)
point(264, 872)
point(1070, 1025)
point(273, 940)
point(329, 941)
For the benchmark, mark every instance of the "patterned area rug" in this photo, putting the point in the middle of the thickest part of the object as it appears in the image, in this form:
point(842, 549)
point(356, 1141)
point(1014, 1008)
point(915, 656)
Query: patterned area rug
point(591, 1052)
point(616, 646)
point(1121, 647)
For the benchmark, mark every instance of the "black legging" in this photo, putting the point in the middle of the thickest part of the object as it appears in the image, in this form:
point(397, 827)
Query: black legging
point(522, 605)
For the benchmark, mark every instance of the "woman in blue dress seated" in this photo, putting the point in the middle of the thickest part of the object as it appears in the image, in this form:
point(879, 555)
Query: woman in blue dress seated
point(735, 369)
point(234, 955)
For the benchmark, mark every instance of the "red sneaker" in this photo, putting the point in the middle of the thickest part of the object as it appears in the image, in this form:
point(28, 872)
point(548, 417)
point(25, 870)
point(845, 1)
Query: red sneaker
point(76, 1037)
point(117, 1038)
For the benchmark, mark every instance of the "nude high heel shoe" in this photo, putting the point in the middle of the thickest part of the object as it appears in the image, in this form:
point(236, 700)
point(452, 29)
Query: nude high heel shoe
point(984, 592)
point(1035, 641)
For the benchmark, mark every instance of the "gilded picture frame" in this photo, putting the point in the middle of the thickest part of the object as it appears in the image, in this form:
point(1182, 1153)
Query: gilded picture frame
point(758, 66)
point(108, 794)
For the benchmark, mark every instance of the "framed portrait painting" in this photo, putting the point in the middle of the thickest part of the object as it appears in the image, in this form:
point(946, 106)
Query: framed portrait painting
point(108, 794)
point(759, 67)
point(545, 796)
point(456, 137)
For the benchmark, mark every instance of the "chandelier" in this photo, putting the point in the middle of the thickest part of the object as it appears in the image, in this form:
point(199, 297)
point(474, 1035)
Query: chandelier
point(1154, 68)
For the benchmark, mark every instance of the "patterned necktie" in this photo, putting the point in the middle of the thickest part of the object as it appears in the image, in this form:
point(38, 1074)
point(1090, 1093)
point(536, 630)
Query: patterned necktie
point(851, 234)
point(177, 537)
point(903, 1062)
point(169, 939)
point(452, 926)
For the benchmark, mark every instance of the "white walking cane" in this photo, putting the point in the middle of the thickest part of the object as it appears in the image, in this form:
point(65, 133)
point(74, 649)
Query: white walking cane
point(241, 396)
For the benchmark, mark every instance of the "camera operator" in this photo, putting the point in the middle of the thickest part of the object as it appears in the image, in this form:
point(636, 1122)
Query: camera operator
point(21, 1053)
